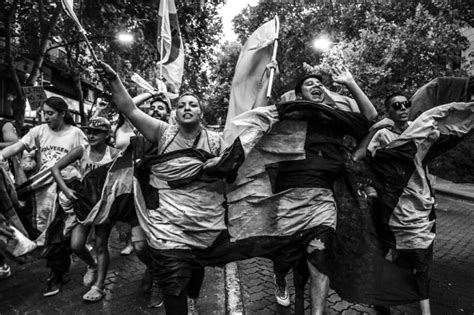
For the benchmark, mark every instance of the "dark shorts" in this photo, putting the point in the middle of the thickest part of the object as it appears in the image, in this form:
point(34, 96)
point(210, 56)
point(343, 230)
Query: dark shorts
point(319, 249)
point(418, 260)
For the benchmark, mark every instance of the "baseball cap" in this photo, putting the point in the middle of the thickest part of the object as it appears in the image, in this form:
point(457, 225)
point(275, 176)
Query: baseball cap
point(98, 123)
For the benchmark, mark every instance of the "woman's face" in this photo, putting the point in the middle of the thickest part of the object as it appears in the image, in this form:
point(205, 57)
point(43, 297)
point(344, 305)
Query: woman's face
point(53, 118)
point(188, 110)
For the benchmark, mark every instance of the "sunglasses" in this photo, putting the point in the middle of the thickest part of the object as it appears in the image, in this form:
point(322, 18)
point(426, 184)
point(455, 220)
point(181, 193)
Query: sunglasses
point(398, 105)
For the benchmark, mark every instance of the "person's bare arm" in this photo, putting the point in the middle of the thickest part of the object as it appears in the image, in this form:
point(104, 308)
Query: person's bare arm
point(148, 126)
point(74, 155)
point(366, 107)
point(11, 150)
point(361, 151)
point(9, 135)
point(142, 98)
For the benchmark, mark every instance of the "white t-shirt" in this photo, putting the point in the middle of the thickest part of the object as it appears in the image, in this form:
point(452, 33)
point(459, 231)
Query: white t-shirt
point(53, 145)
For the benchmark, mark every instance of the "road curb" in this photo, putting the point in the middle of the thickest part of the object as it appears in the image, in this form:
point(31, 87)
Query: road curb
point(233, 291)
point(453, 193)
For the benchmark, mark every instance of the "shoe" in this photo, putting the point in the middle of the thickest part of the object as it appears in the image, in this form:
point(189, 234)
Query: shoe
point(53, 286)
point(95, 294)
point(281, 294)
point(156, 296)
point(192, 306)
point(5, 271)
point(127, 250)
point(89, 276)
point(147, 281)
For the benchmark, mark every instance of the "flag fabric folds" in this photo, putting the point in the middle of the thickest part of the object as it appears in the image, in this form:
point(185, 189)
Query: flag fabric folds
point(439, 91)
point(405, 211)
point(170, 45)
point(68, 6)
point(250, 81)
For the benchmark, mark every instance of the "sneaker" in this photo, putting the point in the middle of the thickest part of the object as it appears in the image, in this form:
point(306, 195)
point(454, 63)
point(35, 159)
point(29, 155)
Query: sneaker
point(192, 307)
point(147, 281)
point(281, 294)
point(5, 271)
point(52, 287)
point(156, 296)
point(89, 276)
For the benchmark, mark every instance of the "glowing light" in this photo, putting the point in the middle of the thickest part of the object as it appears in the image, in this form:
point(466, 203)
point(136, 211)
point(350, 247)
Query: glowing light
point(322, 43)
point(125, 38)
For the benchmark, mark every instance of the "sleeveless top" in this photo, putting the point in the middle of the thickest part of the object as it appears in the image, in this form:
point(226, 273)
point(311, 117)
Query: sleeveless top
point(87, 165)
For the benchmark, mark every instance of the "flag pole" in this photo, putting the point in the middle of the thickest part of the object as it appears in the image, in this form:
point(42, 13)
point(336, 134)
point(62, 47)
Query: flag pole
point(88, 43)
point(275, 47)
point(68, 6)
point(161, 37)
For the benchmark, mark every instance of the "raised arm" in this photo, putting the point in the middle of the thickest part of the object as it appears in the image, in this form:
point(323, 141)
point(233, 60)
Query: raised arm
point(148, 126)
point(74, 155)
point(366, 107)
point(142, 98)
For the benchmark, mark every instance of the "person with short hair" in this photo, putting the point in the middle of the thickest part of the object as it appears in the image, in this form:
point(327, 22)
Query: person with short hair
point(415, 256)
point(317, 174)
point(54, 139)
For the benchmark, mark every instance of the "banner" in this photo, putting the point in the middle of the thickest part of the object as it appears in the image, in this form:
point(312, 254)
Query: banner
point(250, 80)
point(170, 45)
point(35, 95)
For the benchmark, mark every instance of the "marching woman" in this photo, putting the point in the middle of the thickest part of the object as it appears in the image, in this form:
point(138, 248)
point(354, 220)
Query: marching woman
point(53, 140)
point(90, 157)
point(188, 218)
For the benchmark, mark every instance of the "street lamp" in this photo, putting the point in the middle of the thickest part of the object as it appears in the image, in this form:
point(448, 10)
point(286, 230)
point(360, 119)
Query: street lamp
point(125, 38)
point(322, 43)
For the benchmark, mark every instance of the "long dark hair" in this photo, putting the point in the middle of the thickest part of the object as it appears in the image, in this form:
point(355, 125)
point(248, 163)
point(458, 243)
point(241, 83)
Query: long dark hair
point(60, 105)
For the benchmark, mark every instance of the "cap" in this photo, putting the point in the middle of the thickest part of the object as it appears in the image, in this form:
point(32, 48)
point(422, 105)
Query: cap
point(99, 123)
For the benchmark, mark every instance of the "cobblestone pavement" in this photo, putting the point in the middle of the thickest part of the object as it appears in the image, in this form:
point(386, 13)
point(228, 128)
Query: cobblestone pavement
point(452, 286)
point(22, 293)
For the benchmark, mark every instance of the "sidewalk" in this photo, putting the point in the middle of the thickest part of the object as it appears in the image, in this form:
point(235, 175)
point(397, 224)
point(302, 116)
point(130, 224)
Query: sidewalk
point(448, 188)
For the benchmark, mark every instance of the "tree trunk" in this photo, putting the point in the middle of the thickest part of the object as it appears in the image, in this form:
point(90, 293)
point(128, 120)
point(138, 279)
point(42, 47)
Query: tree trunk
point(36, 70)
point(19, 103)
point(80, 96)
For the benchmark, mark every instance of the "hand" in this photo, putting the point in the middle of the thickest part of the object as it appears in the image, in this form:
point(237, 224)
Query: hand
point(272, 65)
point(384, 123)
point(70, 194)
point(341, 75)
point(211, 163)
point(106, 71)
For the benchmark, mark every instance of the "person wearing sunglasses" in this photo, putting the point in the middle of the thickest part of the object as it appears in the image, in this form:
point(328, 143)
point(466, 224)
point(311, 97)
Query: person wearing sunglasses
point(388, 129)
point(416, 258)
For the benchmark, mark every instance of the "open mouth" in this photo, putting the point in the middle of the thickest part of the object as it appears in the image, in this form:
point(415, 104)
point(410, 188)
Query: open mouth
point(187, 115)
point(316, 92)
